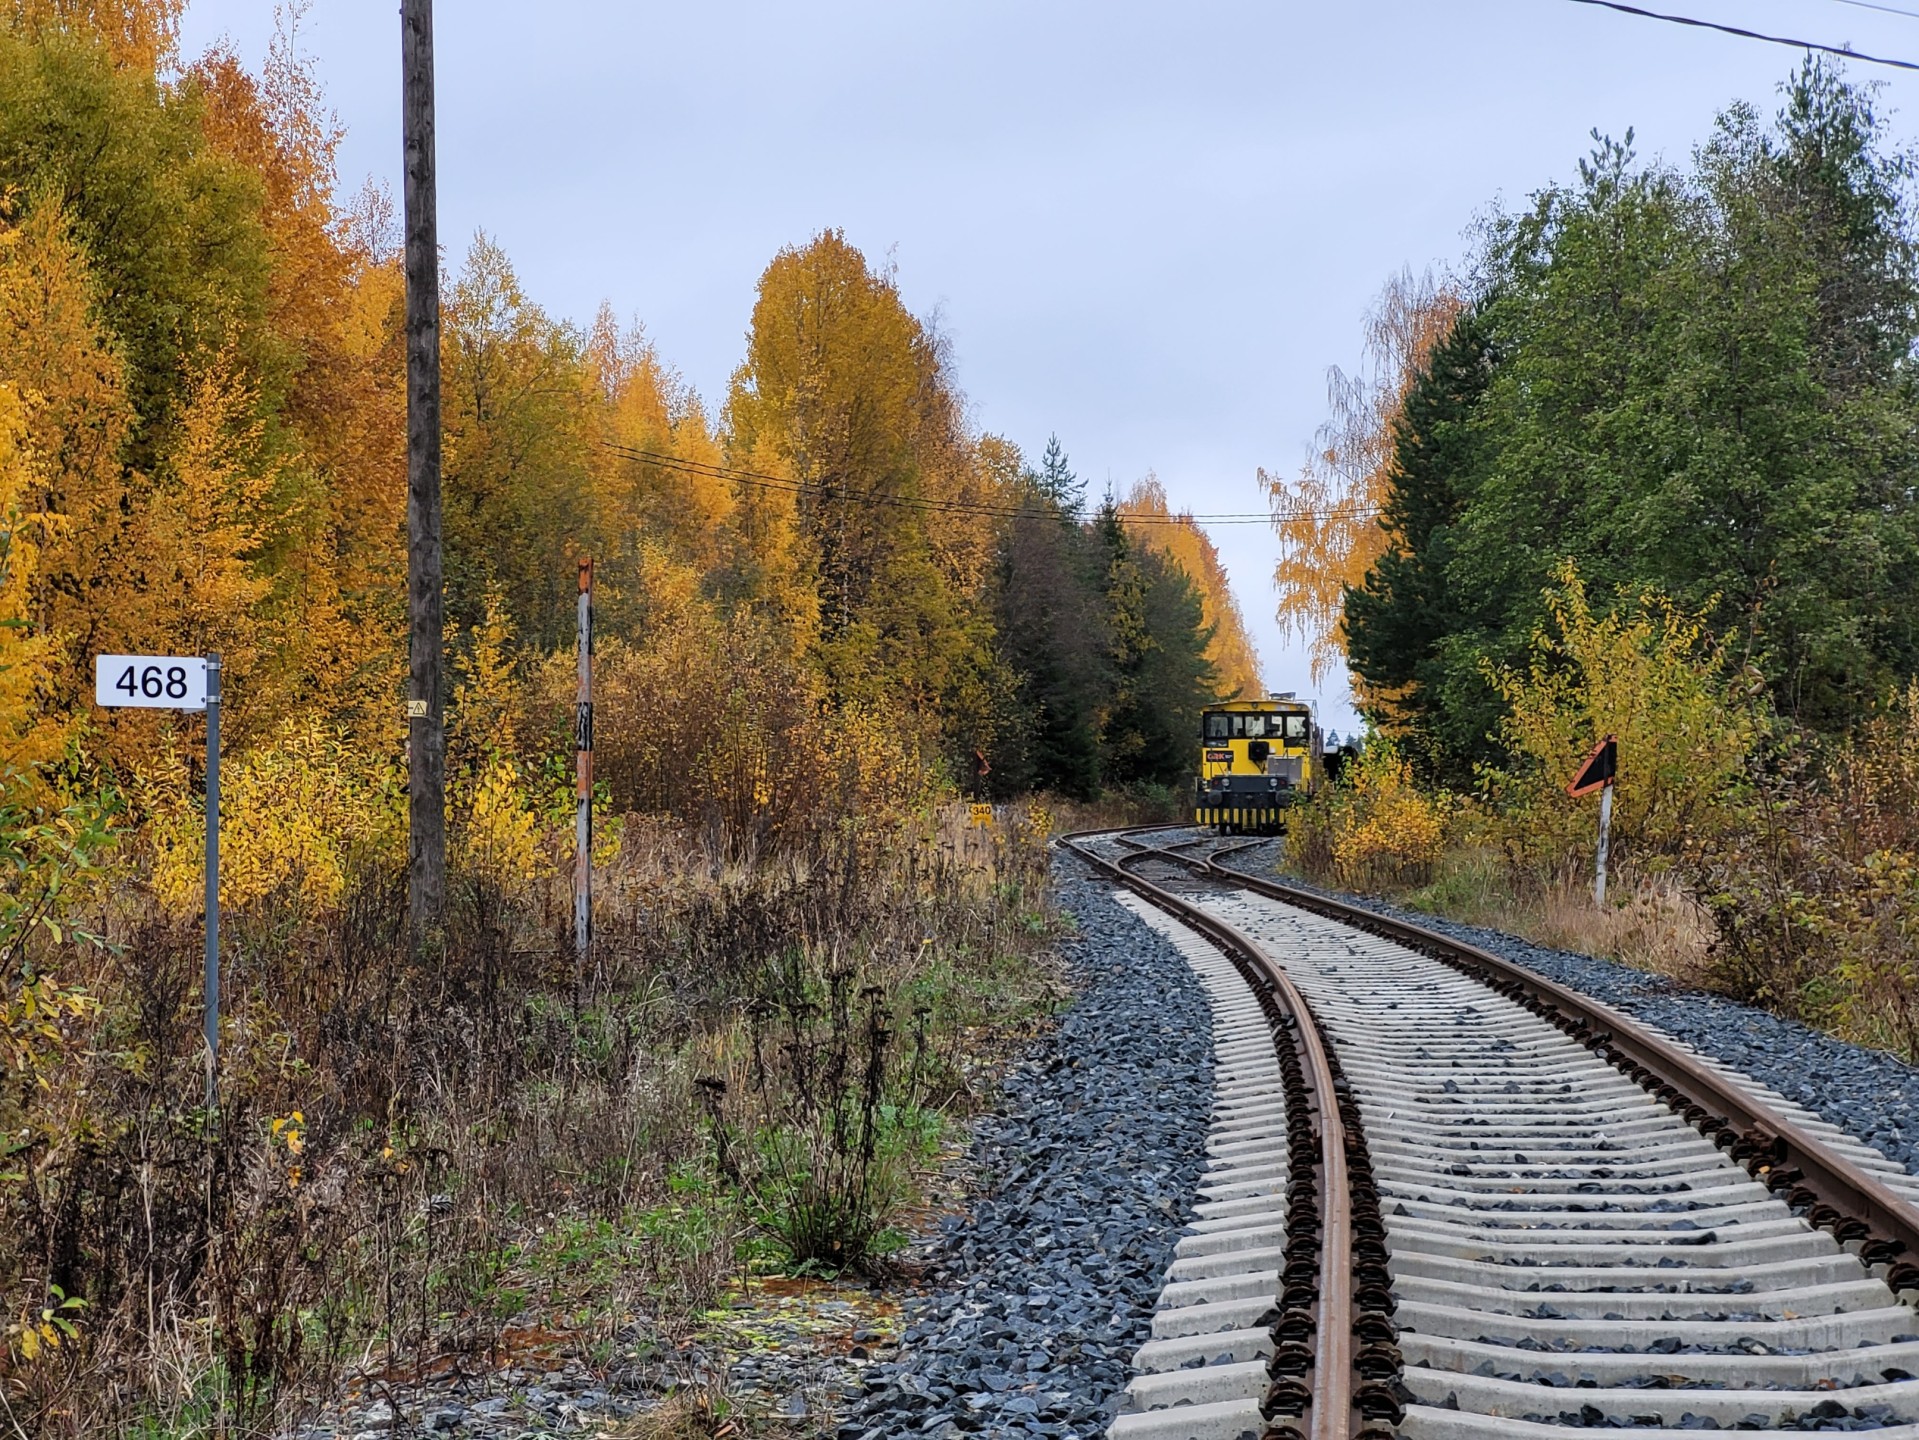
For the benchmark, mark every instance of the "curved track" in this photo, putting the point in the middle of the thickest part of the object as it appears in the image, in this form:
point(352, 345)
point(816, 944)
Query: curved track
point(1524, 1213)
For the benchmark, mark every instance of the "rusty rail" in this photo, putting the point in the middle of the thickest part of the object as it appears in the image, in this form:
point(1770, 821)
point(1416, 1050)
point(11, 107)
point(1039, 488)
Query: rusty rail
point(1781, 1154)
point(1319, 1404)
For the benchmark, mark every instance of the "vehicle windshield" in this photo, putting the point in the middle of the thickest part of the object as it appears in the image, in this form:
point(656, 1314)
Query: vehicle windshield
point(1256, 725)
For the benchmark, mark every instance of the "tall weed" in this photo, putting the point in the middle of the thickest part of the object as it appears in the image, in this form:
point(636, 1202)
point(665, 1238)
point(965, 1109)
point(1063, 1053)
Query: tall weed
point(416, 1152)
point(1815, 897)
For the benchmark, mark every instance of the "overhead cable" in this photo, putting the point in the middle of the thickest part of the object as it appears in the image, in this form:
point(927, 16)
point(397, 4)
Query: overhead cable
point(785, 485)
point(1838, 50)
point(1882, 9)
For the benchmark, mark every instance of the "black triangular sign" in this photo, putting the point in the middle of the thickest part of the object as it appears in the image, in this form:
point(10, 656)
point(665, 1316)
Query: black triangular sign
point(1598, 770)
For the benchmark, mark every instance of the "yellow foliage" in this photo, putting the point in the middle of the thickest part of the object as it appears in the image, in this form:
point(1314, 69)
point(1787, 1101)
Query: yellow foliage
point(28, 736)
point(1376, 827)
point(657, 515)
point(1146, 516)
point(42, 1328)
point(68, 417)
point(33, 1017)
point(499, 839)
point(137, 34)
point(286, 1142)
point(1816, 895)
point(847, 394)
point(482, 718)
point(337, 451)
point(714, 725)
point(1327, 519)
point(1645, 674)
point(203, 527)
point(298, 815)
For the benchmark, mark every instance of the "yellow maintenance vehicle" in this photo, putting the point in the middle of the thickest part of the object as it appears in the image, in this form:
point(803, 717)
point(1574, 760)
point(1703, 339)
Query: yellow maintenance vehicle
point(1256, 758)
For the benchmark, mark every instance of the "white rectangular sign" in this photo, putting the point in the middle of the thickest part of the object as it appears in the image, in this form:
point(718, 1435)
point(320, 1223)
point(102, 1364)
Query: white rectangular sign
point(152, 682)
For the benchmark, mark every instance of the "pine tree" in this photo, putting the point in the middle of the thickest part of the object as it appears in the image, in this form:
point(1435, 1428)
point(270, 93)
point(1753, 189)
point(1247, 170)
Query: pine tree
point(1156, 651)
point(1052, 624)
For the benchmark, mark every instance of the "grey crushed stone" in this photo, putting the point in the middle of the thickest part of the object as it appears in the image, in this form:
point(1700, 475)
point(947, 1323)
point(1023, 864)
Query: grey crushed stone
point(1086, 1172)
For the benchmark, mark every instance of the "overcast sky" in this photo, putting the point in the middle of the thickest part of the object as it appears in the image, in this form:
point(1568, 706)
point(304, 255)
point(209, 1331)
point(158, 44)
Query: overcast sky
point(1148, 228)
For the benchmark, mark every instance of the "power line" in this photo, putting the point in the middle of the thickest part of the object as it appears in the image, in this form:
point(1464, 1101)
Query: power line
point(1882, 9)
point(782, 484)
point(1751, 34)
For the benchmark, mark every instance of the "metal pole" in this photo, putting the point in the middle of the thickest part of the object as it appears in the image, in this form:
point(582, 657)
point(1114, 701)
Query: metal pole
point(583, 756)
point(1605, 841)
point(213, 882)
point(426, 729)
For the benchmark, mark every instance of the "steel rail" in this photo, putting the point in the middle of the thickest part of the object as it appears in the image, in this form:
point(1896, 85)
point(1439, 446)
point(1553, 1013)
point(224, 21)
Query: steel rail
point(1782, 1155)
point(1330, 1412)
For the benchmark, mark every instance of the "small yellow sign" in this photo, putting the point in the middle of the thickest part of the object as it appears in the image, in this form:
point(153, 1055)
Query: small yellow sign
point(416, 710)
point(982, 816)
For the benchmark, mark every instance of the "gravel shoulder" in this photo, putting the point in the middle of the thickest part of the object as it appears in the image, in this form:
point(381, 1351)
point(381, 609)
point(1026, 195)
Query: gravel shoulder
point(1867, 1093)
point(1085, 1173)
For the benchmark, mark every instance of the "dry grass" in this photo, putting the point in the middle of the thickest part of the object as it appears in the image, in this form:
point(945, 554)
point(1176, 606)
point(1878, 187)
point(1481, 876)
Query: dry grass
point(1650, 921)
point(701, 1415)
point(490, 1144)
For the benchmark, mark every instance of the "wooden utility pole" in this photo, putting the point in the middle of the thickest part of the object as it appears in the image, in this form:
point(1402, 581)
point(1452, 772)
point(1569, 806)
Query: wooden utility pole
point(426, 727)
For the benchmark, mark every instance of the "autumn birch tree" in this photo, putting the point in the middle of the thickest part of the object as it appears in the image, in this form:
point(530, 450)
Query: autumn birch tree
point(1327, 518)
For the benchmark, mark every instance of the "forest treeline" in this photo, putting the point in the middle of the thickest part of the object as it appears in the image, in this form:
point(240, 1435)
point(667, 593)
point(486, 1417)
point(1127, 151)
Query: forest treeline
point(1647, 465)
point(1690, 377)
point(828, 610)
point(201, 364)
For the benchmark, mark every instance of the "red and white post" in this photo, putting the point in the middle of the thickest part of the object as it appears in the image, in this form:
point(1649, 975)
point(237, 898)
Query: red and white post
point(583, 762)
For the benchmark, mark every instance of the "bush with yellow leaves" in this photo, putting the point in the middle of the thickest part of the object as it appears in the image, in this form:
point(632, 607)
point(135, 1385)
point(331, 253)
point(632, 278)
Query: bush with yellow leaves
point(498, 839)
point(710, 726)
point(299, 815)
point(1376, 827)
point(30, 735)
point(44, 1327)
point(1646, 673)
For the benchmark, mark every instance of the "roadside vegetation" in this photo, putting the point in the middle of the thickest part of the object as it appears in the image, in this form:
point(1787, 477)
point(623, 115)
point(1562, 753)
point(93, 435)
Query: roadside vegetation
point(1644, 469)
point(829, 614)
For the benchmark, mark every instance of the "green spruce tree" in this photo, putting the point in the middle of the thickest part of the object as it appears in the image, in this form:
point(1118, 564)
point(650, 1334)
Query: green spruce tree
point(1400, 623)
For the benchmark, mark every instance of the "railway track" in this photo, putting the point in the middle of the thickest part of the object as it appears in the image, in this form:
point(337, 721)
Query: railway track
point(1449, 1198)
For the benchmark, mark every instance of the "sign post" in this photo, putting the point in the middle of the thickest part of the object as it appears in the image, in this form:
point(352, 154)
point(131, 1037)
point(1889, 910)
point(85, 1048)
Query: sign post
point(1605, 843)
point(181, 682)
point(1597, 772)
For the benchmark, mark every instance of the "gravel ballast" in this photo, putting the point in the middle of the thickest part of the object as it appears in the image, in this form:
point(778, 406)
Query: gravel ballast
point(1867, 1093)
point(1086, 1171)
